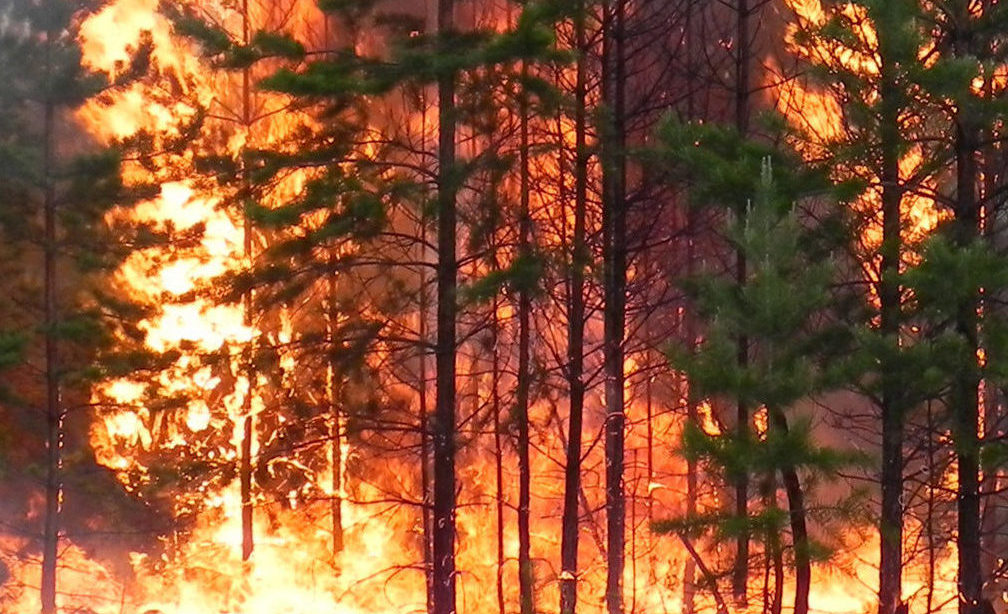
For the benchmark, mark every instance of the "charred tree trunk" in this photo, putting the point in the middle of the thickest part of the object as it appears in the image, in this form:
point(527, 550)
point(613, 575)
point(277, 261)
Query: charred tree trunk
point(575, 335)
point(443, 427)
point(692, 477)
point(612, 144)
point(524, 372)
point(777, 598)
point(54, 413)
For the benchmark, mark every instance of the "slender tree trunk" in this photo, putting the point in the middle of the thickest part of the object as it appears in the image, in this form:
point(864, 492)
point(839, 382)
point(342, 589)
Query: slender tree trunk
point(772, 599)
point(612, 146)
point(575, 335)
point(934, 481)
point(965, 388)
point(248, 425)
point(693, 419)
point(443, 427)
point(54, 413)
point(524, 373)
point(777, 600)
point(245, 478)
point(689, 573)
point(424, 425)
point(964, 392)
point(891, 519)
point(692, 478)
point(498, 446)
point(336, 501)
point(799, 528)
point(425, 459)
point(740, 569)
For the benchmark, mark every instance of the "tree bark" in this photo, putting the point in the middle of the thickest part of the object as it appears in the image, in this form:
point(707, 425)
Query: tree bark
point(966, 380)
point(612, 145)
point(891, 478)
point(336, 500)
point(498, 446)
point(54, 411)
point(423, 422)
point(575, 335)
point(965, 387)
point(689, 571)
point(443, 427)
point(248, 425)
point(799, 528)
point(525, 579)
point(740, 569)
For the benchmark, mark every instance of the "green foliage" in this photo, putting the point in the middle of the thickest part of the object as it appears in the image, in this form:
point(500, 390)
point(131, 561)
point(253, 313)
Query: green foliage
point(782, 305)
point(725, 170)
point(46, 80)
point(780, 217)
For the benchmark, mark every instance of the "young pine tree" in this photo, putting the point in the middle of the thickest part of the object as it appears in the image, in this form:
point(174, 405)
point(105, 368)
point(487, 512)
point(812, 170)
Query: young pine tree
point(784, 307)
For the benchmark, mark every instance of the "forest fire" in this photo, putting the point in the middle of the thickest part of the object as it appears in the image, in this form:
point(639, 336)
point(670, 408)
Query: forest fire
point(375, 307)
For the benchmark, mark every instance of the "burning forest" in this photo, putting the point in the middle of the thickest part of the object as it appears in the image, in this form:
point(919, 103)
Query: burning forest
point(503, 306)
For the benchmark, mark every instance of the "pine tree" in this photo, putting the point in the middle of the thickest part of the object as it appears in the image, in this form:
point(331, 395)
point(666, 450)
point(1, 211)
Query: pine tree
point(969, 44)
point(876, 80)
point(783, 306)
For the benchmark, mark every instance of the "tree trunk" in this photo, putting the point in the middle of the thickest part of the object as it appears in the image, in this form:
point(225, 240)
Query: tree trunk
point(772, 599)
point(245, 465)
point(891, 478)
point(777, 598)
point(964, 392)
point(575, 336)
point(423, 423)
point(740, 569)
point(612, 145)
point(799, 529)
point(245, 478)
point(54, 413)
point(524, 373)
point(498, 444)
point(443, 427)
point(930, 520)
point(336, 501)
point(689, 573)
point(965, 387)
